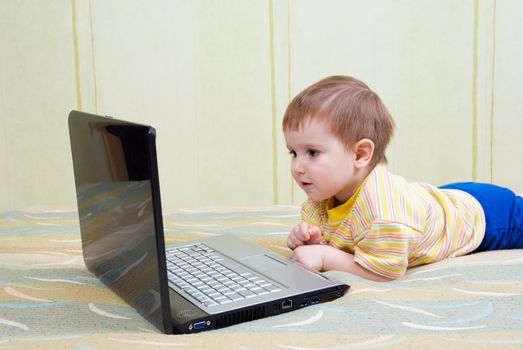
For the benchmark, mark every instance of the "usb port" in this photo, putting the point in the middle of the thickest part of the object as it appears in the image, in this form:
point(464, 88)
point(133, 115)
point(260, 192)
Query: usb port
point(304, 303)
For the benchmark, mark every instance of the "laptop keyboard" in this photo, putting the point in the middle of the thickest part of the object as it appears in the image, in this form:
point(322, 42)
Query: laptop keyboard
point(210, 278)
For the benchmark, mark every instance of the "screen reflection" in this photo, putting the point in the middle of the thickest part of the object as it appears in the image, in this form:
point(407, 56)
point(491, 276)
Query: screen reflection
point(116, 208)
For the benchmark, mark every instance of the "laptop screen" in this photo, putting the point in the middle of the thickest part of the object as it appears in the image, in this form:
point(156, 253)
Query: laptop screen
point(120, 218)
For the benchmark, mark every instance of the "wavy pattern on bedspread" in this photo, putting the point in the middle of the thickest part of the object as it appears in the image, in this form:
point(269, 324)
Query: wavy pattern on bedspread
point(47, 298)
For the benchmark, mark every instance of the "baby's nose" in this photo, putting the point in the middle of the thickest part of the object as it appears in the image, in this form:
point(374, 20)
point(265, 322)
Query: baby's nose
point(298, 166)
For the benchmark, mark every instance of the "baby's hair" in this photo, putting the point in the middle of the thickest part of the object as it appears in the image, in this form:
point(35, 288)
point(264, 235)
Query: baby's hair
point(352, 110)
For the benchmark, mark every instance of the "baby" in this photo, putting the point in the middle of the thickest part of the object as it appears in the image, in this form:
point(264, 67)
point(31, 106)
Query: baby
point(362, 219)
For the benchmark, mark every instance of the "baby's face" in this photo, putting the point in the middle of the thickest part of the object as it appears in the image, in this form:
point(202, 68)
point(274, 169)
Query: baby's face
point(321, 164)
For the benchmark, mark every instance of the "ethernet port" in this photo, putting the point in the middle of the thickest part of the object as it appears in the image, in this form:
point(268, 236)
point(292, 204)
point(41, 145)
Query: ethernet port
point(286, 304)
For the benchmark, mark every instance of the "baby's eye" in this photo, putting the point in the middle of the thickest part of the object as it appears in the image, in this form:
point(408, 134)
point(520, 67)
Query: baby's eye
point(293, 154)
point(313, 152)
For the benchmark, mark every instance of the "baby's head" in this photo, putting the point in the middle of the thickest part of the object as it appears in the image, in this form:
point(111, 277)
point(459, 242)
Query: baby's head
point(349, 107)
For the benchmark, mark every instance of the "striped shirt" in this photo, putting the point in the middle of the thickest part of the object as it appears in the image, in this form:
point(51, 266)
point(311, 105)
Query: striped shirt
point(390, 224)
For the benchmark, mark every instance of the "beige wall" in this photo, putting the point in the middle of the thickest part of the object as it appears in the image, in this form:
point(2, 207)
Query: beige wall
point(214, 78)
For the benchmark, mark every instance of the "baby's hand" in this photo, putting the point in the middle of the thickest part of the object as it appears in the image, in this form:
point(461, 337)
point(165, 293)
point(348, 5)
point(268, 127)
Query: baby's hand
point(311, 256)
point(302, 234)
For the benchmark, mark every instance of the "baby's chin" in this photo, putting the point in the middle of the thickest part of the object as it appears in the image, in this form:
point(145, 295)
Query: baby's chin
point(313, 195)
point(317, 198)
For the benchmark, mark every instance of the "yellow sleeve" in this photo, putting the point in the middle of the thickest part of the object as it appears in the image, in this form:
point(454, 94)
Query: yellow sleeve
point(385, 249)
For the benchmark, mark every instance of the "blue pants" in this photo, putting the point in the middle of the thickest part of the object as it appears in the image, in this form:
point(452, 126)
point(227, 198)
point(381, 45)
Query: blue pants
point(503, 213)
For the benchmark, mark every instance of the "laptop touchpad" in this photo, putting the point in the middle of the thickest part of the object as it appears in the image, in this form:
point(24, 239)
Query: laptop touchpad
point(263, 262)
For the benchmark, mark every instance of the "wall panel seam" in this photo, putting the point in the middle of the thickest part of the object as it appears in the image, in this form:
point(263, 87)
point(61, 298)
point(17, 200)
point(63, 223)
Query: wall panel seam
point(475, 93)
point(273, 106)
point(76, 57)
point(93, 61)
point(289, 56)
point(493, 72)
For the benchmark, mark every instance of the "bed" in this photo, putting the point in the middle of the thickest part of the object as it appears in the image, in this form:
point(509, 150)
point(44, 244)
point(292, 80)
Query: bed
point(49, 300)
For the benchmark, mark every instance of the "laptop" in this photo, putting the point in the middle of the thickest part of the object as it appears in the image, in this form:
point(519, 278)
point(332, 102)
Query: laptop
point(186, 288)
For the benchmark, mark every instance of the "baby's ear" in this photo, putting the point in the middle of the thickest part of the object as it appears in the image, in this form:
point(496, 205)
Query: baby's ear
point(363, 152)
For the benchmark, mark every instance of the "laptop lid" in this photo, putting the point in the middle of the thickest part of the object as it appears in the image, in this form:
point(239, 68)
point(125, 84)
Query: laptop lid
point(119, 208)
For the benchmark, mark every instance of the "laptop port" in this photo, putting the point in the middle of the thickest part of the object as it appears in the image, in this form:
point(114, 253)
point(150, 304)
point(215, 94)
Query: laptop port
point(286, 304)
point(199, 325)
point(315, 300)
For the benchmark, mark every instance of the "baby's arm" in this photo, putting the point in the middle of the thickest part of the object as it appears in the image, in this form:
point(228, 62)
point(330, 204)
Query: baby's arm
point(325, 258)
point(302, 234)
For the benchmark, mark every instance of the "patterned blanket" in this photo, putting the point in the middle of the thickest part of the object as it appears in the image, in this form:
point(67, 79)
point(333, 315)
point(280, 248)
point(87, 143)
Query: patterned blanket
point(49, 300)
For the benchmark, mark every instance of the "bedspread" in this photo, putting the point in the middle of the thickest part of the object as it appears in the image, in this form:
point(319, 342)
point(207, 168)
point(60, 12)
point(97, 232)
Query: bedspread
point(49, 300)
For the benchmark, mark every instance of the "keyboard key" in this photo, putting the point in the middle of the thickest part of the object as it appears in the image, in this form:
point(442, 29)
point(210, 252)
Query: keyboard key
point(206, 289)
point(199, 285)
point(182, 285)
point(272, 288)
point(224, 290)
point(234, 296)
point(222, 299)
point(246, 293)
point(209, 303)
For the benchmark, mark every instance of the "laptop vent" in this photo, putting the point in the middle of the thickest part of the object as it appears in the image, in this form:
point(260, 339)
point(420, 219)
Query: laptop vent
point(240, 316)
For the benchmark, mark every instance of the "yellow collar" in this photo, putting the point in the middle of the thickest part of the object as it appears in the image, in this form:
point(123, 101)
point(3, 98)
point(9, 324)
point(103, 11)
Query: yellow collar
point(339, 213)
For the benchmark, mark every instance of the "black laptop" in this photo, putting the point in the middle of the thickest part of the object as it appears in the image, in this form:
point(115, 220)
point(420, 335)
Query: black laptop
point(190, 287)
